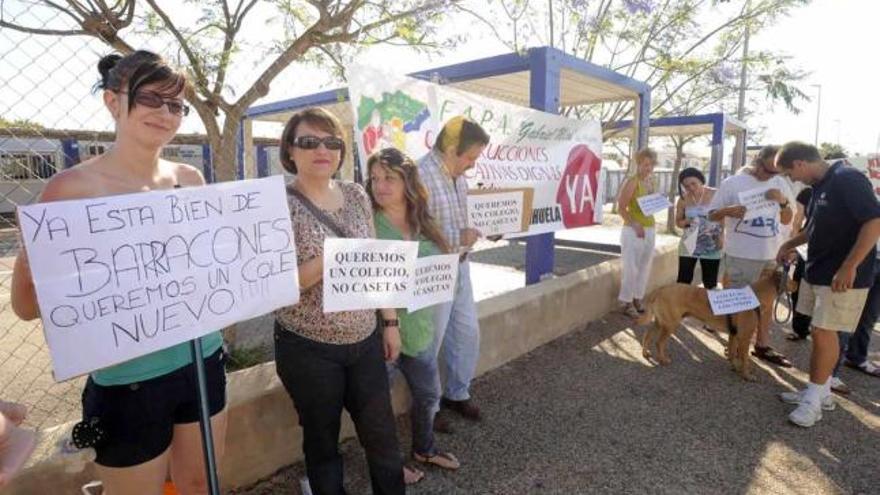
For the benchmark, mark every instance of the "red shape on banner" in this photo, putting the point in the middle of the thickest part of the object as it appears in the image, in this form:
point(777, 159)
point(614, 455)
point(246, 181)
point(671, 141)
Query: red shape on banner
point(577, 189)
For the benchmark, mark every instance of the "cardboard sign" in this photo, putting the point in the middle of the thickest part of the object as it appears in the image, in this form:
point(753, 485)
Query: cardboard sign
point(729, 301)
point(123, 276)
point(434, 281)
point(375, 274)
point(757, 205)
point(651, 204)
point(494, 213)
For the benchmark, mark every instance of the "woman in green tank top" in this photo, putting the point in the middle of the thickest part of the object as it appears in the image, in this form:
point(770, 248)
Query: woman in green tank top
point(145, 409)
point(637, 234)
point(400, 203)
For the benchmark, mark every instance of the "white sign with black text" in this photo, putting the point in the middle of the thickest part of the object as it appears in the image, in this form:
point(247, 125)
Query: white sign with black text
point(122, 276)
point(757, 205)
point(494, 214)
point(729, 301)
point(651, 204)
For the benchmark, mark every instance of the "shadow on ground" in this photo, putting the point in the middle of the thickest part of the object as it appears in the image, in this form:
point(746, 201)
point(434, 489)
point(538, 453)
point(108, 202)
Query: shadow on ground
point(586, 414)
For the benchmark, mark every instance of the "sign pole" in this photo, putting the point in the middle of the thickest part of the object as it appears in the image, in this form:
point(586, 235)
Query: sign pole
point(205, 417)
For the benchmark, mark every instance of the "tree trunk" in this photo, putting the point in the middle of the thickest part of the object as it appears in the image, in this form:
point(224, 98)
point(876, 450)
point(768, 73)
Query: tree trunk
point(673, 183)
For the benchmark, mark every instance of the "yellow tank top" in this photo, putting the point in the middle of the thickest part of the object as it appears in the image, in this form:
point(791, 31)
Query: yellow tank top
point(635, 211)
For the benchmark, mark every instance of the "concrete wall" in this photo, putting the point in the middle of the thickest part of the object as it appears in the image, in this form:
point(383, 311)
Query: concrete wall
point(264, 435)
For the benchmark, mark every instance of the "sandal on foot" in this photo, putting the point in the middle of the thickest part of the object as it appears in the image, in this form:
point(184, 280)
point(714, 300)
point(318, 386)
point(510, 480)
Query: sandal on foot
point(771, 356)
point(443, 460)
point(865, 367)
point(411, 475)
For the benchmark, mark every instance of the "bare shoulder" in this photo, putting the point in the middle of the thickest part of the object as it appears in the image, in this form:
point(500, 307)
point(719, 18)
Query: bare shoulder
point(72, 183)
point(186, 174)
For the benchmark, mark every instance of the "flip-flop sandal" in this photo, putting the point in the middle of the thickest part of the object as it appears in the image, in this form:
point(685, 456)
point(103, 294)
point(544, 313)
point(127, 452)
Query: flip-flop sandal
point(866, 368)
point(443, 460)
point(771, 356)
point(415, 475)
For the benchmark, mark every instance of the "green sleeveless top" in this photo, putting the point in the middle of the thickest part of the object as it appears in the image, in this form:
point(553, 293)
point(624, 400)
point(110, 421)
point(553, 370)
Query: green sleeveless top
point(155, 364)
point(635, 211)
point(416, 328)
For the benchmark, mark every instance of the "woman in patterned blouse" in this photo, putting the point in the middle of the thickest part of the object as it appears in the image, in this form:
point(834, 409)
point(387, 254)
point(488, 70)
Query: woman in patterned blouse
point(328, 361)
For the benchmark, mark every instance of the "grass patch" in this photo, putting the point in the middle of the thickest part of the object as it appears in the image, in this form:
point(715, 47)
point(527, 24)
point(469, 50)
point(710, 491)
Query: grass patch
point(245, 357)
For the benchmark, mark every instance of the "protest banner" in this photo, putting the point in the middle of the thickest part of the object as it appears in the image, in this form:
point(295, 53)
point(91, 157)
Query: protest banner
point(757, 205)
point(651, 204)
point(434, 280)
point(498, 211)
point(559, 158)
point(122, 276)
point(729, 301)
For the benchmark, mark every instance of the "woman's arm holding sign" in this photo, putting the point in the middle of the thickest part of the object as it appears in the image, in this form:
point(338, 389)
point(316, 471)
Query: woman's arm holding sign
point(390, 334)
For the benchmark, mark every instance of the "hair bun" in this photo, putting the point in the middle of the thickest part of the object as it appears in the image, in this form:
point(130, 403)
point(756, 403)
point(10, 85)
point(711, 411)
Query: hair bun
point(105, 65)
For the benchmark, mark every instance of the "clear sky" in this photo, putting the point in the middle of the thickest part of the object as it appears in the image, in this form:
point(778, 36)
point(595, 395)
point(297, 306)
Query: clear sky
point(830, 39)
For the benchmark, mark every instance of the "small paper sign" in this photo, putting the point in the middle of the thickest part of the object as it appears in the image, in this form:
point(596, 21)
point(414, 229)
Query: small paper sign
point(802, 251)
point(757, 205)
point(652, 204)
point(690, 238)
point(729, 301)
point(433, 281)
point(494, 214)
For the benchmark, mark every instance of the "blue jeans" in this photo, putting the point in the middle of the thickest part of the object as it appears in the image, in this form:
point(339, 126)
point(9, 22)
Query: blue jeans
point(457, 331)
point(423, 378)
point(854, 347)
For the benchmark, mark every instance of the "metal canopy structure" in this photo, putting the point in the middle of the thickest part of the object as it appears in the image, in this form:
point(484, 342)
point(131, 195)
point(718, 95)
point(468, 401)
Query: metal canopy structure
point(718, 125)
point(543, 78)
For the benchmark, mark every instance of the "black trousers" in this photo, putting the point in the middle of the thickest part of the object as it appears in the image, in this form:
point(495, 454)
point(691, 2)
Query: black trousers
point(800, 323)
point(322, 379)
point(708, 267)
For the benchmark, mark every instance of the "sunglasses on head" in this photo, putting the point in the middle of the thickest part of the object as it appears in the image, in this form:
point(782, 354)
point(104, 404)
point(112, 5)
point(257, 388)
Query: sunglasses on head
point(153, 100)
point(332, 143)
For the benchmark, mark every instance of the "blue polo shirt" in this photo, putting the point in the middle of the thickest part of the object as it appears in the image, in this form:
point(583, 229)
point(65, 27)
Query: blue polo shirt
point(842, 202)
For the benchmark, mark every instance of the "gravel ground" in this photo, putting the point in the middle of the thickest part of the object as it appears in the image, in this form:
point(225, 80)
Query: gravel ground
point(586, 414)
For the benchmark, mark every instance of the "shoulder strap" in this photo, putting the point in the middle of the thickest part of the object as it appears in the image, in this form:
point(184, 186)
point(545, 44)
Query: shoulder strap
point(317, 212)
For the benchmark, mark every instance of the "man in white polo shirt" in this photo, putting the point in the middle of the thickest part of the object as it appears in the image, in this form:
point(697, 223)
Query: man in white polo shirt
point(750, 246)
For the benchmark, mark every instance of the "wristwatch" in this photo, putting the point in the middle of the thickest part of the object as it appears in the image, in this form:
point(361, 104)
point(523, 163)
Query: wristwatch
point(390, 323)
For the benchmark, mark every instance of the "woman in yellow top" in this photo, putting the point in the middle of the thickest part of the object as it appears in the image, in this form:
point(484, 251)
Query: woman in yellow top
point(637, 236)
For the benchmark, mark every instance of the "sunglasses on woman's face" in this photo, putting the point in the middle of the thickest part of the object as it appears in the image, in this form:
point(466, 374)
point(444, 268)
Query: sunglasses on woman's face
point(332, 143)
point(153, 100)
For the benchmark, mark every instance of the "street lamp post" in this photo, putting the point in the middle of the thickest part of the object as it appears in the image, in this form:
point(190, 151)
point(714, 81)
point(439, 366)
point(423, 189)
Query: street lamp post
point(818, 112)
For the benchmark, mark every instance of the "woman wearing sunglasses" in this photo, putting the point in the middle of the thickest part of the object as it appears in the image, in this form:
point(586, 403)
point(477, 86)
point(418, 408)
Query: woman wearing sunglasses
point(147, 407)
point(400, 202)
point(328, 361)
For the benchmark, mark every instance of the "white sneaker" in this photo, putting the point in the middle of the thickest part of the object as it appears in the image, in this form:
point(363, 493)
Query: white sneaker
point(797, 397)
point(806, 414)
point(838, 386)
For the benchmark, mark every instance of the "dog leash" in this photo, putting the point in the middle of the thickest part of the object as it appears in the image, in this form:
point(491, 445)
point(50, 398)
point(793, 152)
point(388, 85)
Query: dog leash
point(783, 298)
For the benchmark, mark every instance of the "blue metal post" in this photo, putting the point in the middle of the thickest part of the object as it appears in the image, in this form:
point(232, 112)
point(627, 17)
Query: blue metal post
point(70, 148)
point(262, 161)
point(544, 88)
point(717, 157)
point(207, 166)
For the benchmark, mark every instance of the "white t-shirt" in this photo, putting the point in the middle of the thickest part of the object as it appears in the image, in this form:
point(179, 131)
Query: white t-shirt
point(759, 238)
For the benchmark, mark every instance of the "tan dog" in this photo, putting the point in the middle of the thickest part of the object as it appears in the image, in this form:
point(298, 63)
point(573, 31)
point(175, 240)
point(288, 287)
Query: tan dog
point(667, 306)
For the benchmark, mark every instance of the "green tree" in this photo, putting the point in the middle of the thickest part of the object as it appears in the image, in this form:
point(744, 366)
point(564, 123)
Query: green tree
point(20, 124)
point(208, 43)
point(830, 151)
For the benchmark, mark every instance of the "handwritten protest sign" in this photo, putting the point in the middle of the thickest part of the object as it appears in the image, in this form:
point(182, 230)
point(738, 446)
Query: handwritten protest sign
point(757, 205)
point(123, 276)
point(498, 213)
point(433, 281)
point(652, 204)
point(367, 273)
point(729, 301)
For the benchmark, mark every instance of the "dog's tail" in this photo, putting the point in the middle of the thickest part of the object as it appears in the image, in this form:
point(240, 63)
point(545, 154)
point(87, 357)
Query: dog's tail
point(648, 315)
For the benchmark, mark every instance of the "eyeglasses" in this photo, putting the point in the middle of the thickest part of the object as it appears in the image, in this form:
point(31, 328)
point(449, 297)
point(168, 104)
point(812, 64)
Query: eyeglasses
point(152, 100)
point(332, 143)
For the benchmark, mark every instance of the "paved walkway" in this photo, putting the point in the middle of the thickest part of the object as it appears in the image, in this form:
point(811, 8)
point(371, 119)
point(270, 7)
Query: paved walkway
point(586, 414)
